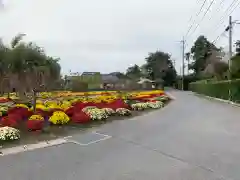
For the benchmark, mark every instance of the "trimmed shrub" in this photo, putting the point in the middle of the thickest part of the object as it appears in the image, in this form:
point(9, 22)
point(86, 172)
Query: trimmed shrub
point(218, 89)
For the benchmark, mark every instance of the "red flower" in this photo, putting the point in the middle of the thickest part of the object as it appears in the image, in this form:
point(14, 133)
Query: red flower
point(9, 121)
point(16, 116)
point(70, 111)
point(34, 125)
point(26, 113)
point(4, 100)
point(80, 117)
point(43, 113)
point(12, 110)
point(118, 104)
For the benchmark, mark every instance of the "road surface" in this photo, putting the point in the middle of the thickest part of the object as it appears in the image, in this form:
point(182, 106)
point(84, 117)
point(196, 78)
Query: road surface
point(190, 139)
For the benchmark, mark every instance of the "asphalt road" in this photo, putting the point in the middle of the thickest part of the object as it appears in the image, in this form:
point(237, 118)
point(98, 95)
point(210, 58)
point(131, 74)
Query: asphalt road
point(190, 139)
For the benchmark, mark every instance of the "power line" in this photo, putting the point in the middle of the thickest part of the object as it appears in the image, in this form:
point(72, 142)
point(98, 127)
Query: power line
point(237, 5)
point(218, 8)
point(197, 14)
point(190, 19)
point(219, 36)
point(225, 15)
point(231, 8)
point(210, 5)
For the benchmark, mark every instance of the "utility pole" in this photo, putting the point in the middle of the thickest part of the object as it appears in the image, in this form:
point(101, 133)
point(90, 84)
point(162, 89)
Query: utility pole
point(230, 56)
point(180, 71)
point(183, 56)
point(230, 29)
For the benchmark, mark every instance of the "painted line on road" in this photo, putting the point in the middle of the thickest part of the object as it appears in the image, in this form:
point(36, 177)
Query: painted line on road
point(91, 142)
point(94, 132)
point(31, 147)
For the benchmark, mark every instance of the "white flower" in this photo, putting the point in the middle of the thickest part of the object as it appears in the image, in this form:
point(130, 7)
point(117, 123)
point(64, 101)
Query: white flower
point(123, 112)
point(155, 105)
point(139, 106)
point(9, 133)
point(109, 111)
point(95, 113)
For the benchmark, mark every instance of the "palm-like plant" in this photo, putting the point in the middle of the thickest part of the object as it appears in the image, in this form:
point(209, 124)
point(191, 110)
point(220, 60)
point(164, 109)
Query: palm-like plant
point(26, 65)
point(3, 65)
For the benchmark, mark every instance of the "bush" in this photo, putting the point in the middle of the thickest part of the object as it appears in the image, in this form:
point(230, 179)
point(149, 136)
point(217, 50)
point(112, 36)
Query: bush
point(218, 89)
point(186, 81)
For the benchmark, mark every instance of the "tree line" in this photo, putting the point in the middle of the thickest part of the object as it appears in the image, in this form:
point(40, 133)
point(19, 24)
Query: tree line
point(205, 61)
point(158, 67)
point(25, 66)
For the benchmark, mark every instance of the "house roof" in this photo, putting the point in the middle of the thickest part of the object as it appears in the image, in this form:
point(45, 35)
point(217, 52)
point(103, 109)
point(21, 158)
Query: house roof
point(89, 73)
point(109, 78)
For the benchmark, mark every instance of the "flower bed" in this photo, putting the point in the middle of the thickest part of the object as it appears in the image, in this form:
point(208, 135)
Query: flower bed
point(68, 108)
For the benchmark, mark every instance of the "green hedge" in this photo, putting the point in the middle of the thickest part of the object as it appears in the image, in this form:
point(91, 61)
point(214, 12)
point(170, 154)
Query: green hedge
point(218, 89)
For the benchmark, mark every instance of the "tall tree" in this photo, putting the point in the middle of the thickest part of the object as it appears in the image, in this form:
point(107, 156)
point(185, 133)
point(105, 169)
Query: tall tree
point(159, 66)
point(156, 64)
point(201, 50)
point(187, 56)
point(134, 72)
point(238, 47)
point(170, 75)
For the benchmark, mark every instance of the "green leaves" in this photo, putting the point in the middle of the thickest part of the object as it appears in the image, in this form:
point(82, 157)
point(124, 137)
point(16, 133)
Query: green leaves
point(27, 63)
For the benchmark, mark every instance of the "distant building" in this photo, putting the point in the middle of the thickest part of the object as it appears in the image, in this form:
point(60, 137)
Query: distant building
point(90, 73)
point(109, 80)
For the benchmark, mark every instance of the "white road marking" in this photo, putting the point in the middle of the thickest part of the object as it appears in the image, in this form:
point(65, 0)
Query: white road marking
point(30, 147)
point(44, 144)
point(94, 132)
point(92, 142)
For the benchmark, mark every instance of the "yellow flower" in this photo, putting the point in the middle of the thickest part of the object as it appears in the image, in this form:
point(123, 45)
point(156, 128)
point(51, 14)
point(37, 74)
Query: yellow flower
point(21, 105)
point(36, 118)
point(40, 106)
point(59, 117)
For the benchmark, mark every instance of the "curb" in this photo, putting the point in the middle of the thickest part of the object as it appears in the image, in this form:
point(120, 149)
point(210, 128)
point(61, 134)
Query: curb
point(218, 99)
point(170, 95)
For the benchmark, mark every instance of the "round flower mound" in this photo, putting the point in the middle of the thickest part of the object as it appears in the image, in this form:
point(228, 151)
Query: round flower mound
point(155, 105)
point(95, 113)
point(65, 105)
point(59, 117)
point(35, 123)
point(123, 112)
point(139, 106)
point(162, 98)
point(109, 111)
point(80, 117)
point(69, 111)
point(9, 121)
point(41, 107)
point(9, 134)
point(86, 109)
point(21, 105)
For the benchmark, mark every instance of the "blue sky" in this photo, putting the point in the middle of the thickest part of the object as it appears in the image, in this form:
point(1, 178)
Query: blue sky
point(110, 35)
